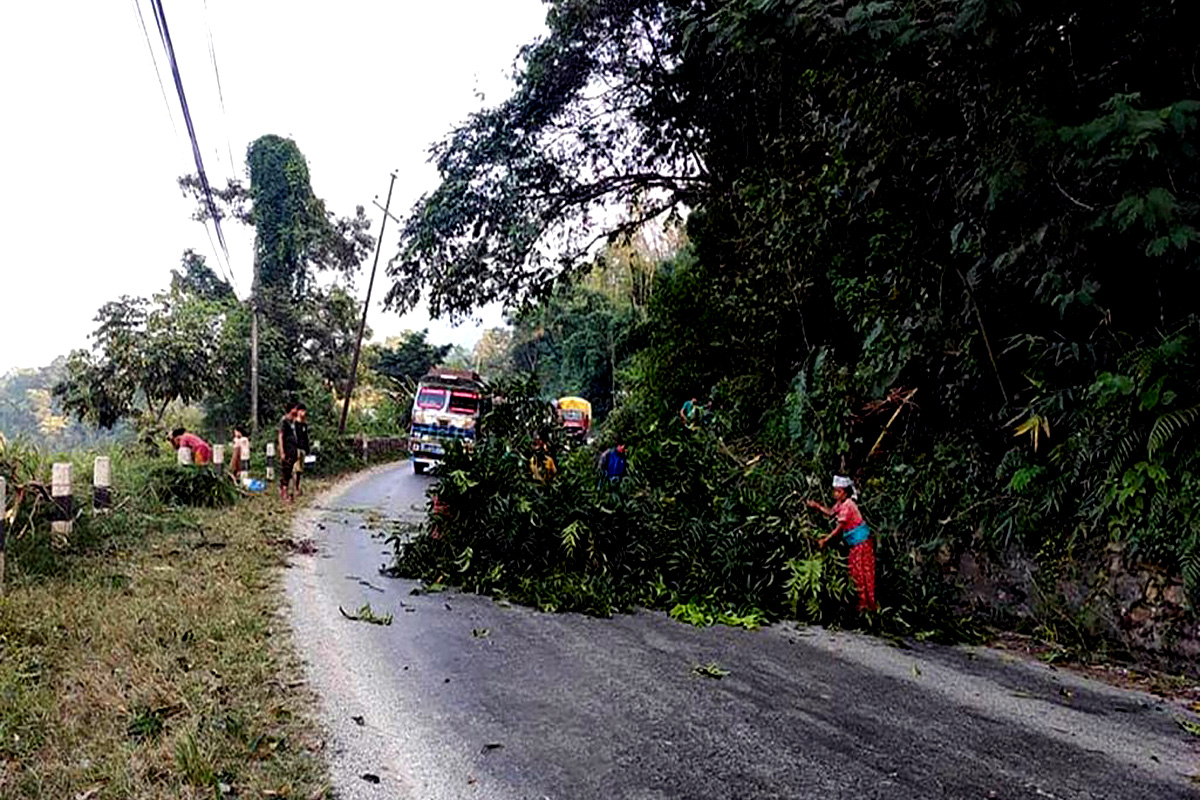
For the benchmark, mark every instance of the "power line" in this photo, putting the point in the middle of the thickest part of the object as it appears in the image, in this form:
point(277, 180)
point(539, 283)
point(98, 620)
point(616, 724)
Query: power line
point(212, 54)
point(154, 60)
point(226, 272)
point(160, 17)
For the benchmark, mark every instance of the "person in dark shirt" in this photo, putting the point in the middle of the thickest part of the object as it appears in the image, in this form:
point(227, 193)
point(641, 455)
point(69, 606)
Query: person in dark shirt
point(302, 445)
point(287, 452)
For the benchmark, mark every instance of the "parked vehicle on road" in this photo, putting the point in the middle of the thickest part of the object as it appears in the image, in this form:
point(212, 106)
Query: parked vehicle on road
point(446, 407)
point(576, 416)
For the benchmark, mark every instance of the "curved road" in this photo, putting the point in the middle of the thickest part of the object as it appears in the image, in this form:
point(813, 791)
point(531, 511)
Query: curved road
point(462, 697)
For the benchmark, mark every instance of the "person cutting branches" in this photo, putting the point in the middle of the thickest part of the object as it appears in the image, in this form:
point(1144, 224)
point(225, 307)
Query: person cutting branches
point(857, 536)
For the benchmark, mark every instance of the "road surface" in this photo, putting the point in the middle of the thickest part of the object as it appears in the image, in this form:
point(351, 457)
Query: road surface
point(462, 697)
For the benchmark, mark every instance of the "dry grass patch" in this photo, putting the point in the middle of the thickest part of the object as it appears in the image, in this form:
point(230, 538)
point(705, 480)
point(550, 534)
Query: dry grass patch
point(152, 664)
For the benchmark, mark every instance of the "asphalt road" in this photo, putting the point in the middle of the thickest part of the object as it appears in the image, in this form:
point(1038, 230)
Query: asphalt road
point(462, 697)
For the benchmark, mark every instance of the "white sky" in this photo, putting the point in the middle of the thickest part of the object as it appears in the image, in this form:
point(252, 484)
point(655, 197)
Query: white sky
point(89, 158)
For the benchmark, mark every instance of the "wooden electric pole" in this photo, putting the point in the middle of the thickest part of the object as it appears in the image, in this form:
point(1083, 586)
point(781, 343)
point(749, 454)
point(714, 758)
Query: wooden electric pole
point(254, 349)
point(362, 325)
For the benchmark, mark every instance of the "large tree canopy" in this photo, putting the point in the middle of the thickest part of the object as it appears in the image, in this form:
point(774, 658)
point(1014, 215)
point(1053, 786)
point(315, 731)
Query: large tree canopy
point(148, 352)
point(995, 204)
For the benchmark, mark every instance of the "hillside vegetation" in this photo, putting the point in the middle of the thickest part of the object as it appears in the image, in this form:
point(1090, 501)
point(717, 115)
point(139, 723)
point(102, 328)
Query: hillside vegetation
point(946, 246)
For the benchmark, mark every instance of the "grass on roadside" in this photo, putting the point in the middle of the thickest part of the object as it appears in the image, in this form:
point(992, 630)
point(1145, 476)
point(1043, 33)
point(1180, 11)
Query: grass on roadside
point(149, 664)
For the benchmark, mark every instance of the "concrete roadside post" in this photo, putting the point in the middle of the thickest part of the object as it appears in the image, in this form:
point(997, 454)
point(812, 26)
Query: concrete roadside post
point(64, 503)
point(184, 456)
point(270, 461)
point(365, 456)
point(3, 528)
point(218, 461)
point(101, 484)
point(244, 474)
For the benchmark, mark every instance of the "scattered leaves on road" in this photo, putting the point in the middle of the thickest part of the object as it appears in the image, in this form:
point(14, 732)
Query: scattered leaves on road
point(916, 671)
point(1188, 725)
point(490, 746)
point(360, 721)
point(710, 670)
point(480, 633)
point(370, 777)
point(366, 614)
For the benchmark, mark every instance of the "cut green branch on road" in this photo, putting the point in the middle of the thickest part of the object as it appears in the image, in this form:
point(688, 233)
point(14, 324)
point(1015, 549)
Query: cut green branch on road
point(710, 670)
point(366, 614)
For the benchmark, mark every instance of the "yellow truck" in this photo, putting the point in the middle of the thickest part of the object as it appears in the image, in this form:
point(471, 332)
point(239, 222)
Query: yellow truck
point(576, 416)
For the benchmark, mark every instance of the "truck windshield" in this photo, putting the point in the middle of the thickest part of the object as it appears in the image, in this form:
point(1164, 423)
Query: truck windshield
point(464, 403)
point(431, 399)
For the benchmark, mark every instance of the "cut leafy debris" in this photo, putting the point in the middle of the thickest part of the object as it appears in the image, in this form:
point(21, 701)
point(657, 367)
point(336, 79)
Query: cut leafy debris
point(710, 670)
point(366, 614)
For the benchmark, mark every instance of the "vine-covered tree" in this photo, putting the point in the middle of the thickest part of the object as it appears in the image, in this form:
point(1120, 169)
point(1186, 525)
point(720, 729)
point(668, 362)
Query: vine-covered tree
point(305, 326)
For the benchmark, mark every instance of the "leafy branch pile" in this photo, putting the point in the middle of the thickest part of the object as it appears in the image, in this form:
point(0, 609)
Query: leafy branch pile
point(693, 530)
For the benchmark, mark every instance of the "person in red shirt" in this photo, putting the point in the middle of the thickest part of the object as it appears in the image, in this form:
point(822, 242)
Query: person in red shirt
point(201, 452)
point(852, 528)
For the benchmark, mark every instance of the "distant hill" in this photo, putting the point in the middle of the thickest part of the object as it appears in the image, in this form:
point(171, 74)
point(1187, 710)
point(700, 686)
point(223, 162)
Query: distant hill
point(28, 412)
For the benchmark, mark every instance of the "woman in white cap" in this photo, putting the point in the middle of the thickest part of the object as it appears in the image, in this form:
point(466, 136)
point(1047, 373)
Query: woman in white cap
point(858, 537)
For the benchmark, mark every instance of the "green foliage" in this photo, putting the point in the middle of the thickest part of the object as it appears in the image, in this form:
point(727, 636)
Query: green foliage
point(173, 484)
point(407, 358)
point(817, 587)
point(710, 670)
point(367, 614)
point(306, 330)
point(694, 529)
point(148, 353)
point(974, 295)
point(575, 342)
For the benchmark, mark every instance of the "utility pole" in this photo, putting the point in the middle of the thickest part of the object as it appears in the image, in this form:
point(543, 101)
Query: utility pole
point(362, 325)
point(254, 348)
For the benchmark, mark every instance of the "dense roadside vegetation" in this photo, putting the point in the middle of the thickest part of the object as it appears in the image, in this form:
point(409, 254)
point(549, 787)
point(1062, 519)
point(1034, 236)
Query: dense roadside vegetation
point(947, 246)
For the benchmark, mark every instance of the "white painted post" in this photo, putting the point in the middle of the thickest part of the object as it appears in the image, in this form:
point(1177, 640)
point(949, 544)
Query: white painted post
point(102, 484)
point(270, 461)
point(60, 491)
point(244, 472)
point(219, 457)
point(184, 456)
point(364, 442)
point(3, 529)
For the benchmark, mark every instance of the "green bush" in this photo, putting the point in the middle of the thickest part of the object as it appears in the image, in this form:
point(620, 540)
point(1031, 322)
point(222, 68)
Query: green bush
point(173, 484)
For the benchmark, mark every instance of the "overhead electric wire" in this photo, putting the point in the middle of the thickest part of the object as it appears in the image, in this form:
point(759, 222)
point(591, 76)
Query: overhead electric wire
point(154, 60)
point(212, 54)
point(164, 31)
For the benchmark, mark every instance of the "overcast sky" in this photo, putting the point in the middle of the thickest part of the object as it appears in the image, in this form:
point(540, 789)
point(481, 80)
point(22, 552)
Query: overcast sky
point(91, 152)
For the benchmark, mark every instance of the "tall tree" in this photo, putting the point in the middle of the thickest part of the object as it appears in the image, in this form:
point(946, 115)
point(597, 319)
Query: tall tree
point(148, 352)
point(409, 356)
point(296, 237)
